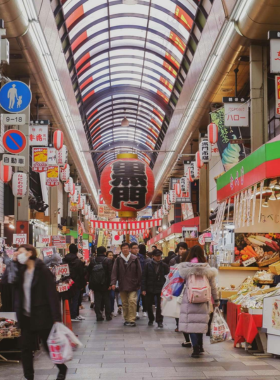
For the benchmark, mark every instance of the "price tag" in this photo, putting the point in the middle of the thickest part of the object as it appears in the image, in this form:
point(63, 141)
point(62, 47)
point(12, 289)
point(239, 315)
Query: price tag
point(62, 270)
point(47, 252)
point(62, 288)
point(19, 239)
point(45, 239)
point(15, 119)
point(248, 262)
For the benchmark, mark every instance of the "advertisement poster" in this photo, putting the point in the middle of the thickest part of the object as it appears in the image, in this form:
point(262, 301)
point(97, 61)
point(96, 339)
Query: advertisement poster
point(275, 318)
point(39, 159)
point(86, 249)
point(38, 135)
point(52, 176)
point(187, 211)
point(230, 154)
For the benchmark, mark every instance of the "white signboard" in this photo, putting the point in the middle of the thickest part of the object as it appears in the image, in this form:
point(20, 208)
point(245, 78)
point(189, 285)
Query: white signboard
point(236, 114)
point(277, 94)
point(14, 119)
point(62, 270)
point(38, 135)
point(275, 56)
point(45, 239)
point(47, 252)
point(13, 160)
point(19, 239)
point(52, 156)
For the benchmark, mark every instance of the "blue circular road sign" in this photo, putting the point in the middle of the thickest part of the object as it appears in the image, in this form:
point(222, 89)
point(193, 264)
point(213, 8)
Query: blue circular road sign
point(15, 96)
point(14, 141)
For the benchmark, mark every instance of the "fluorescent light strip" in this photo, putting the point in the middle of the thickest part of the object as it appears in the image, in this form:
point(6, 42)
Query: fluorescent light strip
point(40, 43)
point(203, 81)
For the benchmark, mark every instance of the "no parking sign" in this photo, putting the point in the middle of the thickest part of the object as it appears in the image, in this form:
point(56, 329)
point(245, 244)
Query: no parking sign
point(14, 141)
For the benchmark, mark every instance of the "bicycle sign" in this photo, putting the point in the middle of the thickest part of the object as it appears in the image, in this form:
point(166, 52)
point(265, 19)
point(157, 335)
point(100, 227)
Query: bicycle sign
point(19, 239)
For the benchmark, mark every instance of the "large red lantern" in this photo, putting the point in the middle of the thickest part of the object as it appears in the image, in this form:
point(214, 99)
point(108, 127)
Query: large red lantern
point(212, 131)
point(127, 185)
point(58, 139)
point(5, 172)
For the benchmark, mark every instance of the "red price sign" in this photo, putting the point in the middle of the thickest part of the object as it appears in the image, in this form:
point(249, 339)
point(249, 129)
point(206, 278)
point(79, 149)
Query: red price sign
point(62, 288)
point(45, 239)
point(62, 270)
point(19, 239)
point(47, 252)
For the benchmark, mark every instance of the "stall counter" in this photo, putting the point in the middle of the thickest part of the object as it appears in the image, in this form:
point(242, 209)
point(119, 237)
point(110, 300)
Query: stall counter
point(235, 275)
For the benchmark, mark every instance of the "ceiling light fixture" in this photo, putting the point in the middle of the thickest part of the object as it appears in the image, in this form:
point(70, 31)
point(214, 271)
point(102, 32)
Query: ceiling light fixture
point(11, 226)
point(125, 121)
point(272, 197)
point(265, 203)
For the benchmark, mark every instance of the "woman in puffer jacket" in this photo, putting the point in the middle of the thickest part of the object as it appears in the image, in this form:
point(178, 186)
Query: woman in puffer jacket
point(194, 317)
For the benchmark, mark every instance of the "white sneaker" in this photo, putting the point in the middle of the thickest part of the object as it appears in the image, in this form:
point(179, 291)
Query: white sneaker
point(77, 319)
point(144, 314)
point(137, 316)
point(80, 318)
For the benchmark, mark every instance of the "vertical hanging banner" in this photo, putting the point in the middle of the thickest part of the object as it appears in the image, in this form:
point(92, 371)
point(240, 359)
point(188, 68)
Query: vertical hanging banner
point(277, 94)
point(39, 159)
point(52, 156)
point(274, 38)
point(52, 176)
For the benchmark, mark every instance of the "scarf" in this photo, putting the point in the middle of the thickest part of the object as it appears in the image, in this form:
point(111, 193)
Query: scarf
point(126, 258)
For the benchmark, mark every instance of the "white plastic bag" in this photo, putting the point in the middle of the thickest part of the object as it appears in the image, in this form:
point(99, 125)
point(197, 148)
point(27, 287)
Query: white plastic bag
point(219, 331)
point(170, 307)
point(61, 343)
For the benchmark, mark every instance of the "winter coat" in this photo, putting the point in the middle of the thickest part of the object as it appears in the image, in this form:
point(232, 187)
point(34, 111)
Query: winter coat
point(143, 260)
point(128, 274)
point(153, 282)
point(107, 266)
point(175, 260)
point(76, 267)
point(45, 304)
point(194, 317)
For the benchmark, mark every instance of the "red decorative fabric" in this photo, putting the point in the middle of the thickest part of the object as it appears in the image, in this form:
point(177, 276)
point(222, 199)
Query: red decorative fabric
point(247, 328)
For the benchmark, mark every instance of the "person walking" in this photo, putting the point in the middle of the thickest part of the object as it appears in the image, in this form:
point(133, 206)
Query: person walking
point(194, 317)
point(77, 274)
point(110, 256)
point(181, 248)
point(142, 256)
point(127, 271)
point(37, 305)
point(170, 256)
point(100, 270)
point(153, 280)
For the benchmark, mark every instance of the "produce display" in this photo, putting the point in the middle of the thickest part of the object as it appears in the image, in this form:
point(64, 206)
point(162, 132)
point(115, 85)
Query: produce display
point(264, 249)
point(263, 277)
point(8, 329)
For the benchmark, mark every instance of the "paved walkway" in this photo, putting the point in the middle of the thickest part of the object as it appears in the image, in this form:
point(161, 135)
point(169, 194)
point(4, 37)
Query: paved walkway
point(112, 351)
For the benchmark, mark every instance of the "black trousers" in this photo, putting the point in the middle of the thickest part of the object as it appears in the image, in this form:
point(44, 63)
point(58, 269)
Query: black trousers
point(101, 298)
point(143, 303)
point(74, 303)
point(29, 341)
point(149, 304)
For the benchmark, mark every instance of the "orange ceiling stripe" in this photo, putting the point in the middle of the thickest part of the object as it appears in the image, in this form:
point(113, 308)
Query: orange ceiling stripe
point(88, 95)
point(79, 40)
point(156, 124)
point(74, 16)
point(92, 114)
point(96, 146)
point(97, 138)
point(164, 97)
point(83, 69)
point(170, 69)
point(153, 132)
point(95, 131)
point(89, 80)
point(173, 60)
point(93, 124)
point(159, 115)
point(166, 83)
point(184, 18)
point(181, 46)
point(82, 60)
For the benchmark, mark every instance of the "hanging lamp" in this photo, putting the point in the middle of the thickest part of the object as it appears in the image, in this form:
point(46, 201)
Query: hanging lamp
point(125, 121)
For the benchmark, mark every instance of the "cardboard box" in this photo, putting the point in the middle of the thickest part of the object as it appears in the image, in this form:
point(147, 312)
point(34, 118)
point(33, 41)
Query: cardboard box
point(227, 293)
point(275, 268)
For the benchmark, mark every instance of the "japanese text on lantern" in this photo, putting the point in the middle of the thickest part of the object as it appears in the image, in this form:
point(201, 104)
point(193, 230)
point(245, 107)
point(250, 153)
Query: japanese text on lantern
point(129, 184)
point(20, 184)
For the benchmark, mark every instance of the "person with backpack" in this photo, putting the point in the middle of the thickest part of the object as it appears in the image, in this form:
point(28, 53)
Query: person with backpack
point(77, 274)
point(200, 286)
point(127, 271)
point(100, 269)
point(152, 283)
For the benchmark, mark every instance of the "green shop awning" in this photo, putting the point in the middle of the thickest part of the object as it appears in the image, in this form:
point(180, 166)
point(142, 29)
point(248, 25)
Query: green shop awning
point(75, 235)
point(262, 164)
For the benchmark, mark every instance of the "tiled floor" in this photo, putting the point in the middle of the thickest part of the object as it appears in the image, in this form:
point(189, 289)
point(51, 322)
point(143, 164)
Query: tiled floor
point(112, 351)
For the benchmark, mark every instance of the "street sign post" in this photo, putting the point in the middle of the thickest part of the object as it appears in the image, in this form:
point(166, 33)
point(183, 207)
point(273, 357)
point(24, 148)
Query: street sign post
point(15, 119)
point(14, 141)
point(15, 96)
point(11, 160)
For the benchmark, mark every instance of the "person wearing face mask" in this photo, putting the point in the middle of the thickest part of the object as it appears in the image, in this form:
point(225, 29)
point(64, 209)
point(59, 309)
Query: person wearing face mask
point(36, 304)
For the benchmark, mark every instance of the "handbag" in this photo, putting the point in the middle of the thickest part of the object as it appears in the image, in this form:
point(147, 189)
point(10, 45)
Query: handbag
point(170, 307)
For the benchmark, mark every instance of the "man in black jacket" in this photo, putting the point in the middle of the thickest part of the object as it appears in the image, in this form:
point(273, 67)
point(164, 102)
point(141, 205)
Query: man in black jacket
point(77, 274)
point(153, 280)
point(100, 270)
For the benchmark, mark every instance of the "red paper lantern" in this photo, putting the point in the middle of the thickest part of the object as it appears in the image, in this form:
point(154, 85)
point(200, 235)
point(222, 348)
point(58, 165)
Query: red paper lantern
point(127, 184)
point(212, 131)
point(178, 189)
point(199, 162)
point(189, 175)
point(65, 173)
point(58, 139)
point(6, 172)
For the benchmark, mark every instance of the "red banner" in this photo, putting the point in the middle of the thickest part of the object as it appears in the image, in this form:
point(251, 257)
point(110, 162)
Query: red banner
point(134, 225)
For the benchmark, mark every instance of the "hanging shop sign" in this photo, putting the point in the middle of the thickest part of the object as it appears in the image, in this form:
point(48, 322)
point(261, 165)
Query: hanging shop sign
point(12, 160)
point(62, 156)
point(144, 224)
point(38, 135)
point(189, 170)
point(68, 185)
point(19, 184)
point(230, 154)
point(52, 176)
point(6, 172)
point(15, 96)
point(64, 173)
point(52, 156)
point(58, 241)
point(236, 112)
point(19, 239)
point(58, 139)
point(187, 211)
point(261, 164)
point(14, 141)
point(212, 133)
point(45, 239)
point(178, 189)
point(39, 159)
point(274, 38)
point(127, 184)
point(14, 119)
point(205, 151)
point(277, 94)
point(86, 249)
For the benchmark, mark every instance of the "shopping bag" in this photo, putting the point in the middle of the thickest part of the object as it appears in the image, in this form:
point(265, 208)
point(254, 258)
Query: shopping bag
point(174, 284)
point(61, 343)
point(170, 307)
point(219, 330)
